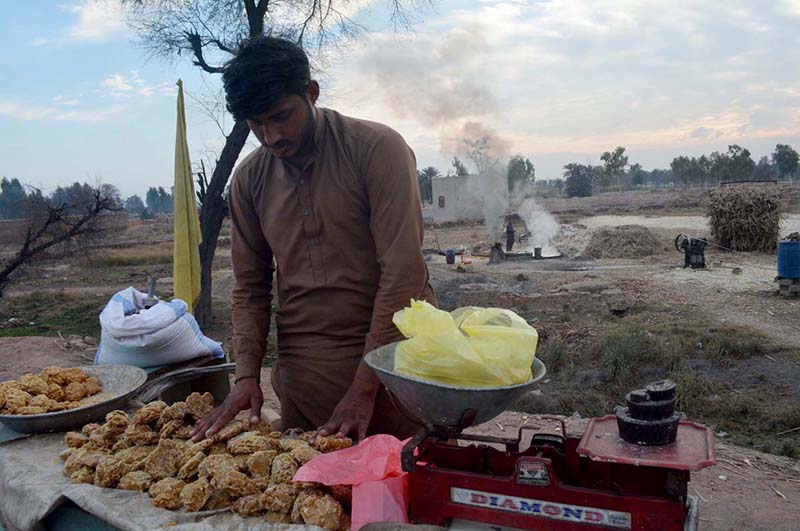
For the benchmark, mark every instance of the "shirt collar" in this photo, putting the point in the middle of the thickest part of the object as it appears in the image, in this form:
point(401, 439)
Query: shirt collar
point(319, 128)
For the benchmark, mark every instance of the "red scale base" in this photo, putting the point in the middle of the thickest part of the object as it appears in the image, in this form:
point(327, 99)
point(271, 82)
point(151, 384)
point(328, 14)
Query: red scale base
point(558, 483)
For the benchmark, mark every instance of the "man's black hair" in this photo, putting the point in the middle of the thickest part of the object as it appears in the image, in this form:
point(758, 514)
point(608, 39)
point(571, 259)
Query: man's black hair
point(265, 70)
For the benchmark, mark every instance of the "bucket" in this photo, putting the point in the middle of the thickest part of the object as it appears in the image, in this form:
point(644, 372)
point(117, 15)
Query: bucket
point(450, 256)
point(789, 259)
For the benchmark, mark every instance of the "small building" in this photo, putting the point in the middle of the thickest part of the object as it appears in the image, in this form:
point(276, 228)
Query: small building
point(466, 198)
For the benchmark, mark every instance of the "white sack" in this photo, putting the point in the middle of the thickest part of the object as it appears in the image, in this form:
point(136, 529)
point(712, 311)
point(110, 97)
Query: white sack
point(164, 334)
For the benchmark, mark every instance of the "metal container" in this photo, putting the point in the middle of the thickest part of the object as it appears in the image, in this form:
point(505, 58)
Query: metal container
point(789, 259)
point(118, 384)
point(436, 405)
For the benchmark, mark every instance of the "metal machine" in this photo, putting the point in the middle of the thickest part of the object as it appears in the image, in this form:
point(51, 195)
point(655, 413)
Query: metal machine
point(543, 481)
point(693, 250)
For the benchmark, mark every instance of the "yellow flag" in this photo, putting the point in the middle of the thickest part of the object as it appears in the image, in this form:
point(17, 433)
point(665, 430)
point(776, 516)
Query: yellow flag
point(186, 250)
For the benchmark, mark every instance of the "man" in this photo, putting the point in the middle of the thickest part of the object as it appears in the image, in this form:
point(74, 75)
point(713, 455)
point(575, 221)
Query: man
point(334, 201)
point(509, 234)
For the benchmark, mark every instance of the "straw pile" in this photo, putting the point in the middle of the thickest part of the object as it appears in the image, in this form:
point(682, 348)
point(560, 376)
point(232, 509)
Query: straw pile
point(745, 218)
point(625, 241)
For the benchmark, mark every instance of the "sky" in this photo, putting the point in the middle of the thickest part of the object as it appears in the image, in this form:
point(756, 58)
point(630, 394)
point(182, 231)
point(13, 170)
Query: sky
point(558, 81)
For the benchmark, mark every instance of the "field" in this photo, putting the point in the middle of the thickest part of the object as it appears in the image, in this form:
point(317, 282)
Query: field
point(617, 310)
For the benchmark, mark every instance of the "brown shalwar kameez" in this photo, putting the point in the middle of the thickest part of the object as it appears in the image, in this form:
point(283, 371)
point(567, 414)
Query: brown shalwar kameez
point(345, 233)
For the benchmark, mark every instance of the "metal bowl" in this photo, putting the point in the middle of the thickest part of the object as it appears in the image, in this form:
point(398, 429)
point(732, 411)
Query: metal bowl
point(436, 405)
point(119, 383)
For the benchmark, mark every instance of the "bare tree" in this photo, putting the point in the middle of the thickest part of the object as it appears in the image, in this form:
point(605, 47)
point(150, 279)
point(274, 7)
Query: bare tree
point(210, 32)
point(479, 151)
point(56, 223)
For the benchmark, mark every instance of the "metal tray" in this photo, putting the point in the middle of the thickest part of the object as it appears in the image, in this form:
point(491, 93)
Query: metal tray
point(693, 449)
point(120, 384)
point(441, 406)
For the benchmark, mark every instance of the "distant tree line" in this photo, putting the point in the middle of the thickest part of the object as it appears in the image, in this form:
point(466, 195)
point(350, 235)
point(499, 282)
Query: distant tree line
point(17, 201)
point(617, 173)
point(736, 164)
point(12, 197)
point(157, 201)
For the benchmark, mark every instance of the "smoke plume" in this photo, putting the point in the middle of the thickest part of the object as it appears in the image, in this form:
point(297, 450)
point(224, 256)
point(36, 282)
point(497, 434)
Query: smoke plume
point(437, 80)
point(433, 79)
point(542, 226)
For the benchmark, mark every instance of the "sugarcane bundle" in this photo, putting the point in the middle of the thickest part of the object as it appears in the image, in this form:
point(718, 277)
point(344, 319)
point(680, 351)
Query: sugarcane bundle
point(745, 218)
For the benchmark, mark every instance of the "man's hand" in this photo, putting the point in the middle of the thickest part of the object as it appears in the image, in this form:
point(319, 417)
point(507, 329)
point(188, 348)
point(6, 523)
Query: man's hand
point(245, 393)
point(354, 411)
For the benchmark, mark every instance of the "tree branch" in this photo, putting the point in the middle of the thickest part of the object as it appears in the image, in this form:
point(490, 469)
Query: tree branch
point(55, 215)
point(309, 18)
point(212, 113)
point(197, 48)
point(223, 47)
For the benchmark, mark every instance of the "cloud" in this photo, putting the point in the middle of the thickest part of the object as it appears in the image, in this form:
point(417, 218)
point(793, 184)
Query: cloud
point(26, 112)
point(701, 132)
point(581, 76)
point(60, 100)
point(125, 86)
point(97, 20)
point(38, 42)
point(117, 83)
point(433, 78)
point(791, 7)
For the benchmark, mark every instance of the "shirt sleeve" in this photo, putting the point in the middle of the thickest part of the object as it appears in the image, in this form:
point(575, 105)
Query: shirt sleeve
point(252, 271)
point(396, 227)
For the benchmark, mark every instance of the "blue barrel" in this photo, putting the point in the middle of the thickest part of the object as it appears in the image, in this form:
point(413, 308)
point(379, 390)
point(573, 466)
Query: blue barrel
point(450, 256)
point(789, 259)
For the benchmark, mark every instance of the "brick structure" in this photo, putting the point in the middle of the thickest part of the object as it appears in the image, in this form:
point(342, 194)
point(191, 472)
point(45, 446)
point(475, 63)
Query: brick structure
point(606, 302)
point(788, 287)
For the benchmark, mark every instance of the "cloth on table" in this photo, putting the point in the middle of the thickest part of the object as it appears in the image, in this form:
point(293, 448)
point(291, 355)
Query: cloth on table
point(33, 485)
point(7, 434)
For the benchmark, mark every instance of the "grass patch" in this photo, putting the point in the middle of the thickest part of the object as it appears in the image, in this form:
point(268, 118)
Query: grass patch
point(52, 313)
point(751, 417)
point(592, 374)
point(20, 331)
point(590, 401)
point(623, 352)
point(725, 346)
point(135, 256)
point(553, 353)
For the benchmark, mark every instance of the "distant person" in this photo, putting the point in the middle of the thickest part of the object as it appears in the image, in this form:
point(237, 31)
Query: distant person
point(509, 234)
point(332, 203)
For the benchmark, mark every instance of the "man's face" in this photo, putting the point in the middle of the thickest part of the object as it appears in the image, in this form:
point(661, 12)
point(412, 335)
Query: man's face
point(286, 128)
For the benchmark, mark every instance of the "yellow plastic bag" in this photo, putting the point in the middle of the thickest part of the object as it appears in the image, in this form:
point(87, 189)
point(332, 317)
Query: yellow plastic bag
point(472, 347)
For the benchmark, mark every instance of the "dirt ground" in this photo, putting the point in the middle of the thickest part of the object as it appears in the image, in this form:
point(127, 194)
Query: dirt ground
point(32, 354)
point(723, 333)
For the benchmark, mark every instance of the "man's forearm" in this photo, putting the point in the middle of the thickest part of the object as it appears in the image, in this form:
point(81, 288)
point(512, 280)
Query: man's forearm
point(250, 329)
point(248, 366)
point(365, 377)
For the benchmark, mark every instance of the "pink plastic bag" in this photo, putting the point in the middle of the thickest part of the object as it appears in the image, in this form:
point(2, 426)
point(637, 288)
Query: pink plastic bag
point(380, 487)
point(385, 500)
